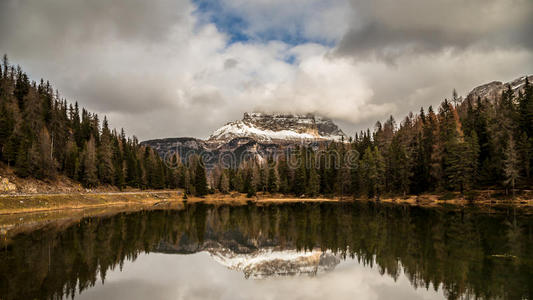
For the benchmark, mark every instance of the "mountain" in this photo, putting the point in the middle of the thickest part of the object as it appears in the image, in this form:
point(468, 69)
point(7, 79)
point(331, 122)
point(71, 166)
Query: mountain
point(275, 127)
point(494, 89)
point(232, 152)
point(269, 262)
point(256, 135)
point(260, 134)
point(257, 259)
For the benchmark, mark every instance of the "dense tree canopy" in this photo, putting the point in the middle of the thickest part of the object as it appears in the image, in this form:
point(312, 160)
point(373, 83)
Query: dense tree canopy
point(41, 135)
point(466, 144)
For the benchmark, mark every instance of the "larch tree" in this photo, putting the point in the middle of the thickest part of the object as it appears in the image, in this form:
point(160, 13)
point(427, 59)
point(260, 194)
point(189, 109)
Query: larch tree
point(200, 179)
point(511, 165)
point(90, 171)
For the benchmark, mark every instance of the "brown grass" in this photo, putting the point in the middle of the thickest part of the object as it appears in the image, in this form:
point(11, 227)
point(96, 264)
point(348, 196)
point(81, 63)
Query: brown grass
point(14, 204)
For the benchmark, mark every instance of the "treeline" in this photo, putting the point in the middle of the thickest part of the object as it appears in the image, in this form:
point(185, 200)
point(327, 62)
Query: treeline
point(43, 136)
point(457, 252)
point(464, 145)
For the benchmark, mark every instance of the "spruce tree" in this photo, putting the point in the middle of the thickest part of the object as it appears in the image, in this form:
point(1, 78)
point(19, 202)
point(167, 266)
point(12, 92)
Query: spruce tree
point(90, 171)
point(22, 165)
point(200, 180)
point(273, 179)
point(525, 152)
point(105, 155)
point(223, 186)
point(313, 186)
point(512, 166)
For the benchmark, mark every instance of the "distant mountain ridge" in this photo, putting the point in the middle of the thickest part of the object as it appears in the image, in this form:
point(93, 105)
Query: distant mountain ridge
point(258, 261)
point(274, 127)
point(260, 134)
point(257, 135)
point(494, 89)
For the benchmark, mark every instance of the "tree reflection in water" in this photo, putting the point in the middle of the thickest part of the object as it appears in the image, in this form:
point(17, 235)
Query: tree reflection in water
point(467, 253)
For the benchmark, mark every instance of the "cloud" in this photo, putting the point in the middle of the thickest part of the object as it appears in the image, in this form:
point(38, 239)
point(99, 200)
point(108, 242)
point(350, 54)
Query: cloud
point(427, 79)
point(328, 86)
point(388, 29)
point(170, 68)
point(301, 21)
point(199, 276)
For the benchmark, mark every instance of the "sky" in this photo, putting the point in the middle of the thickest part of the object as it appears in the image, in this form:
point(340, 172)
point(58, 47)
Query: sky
point(198, 276)
point(165, 68)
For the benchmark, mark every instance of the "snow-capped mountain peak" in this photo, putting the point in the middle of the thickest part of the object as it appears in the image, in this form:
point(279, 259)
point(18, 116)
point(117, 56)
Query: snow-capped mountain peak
point(269, 262)
point(272, 127)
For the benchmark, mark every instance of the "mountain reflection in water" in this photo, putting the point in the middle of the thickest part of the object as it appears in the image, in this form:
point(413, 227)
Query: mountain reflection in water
point(438, 251)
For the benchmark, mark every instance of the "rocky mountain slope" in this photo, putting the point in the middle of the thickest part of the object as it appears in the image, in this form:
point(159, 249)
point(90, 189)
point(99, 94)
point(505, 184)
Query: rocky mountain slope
point(259, 134)
point(269, 262)
point(258, 261)
point(275, 127)
point(256, 135)
point(493, 90)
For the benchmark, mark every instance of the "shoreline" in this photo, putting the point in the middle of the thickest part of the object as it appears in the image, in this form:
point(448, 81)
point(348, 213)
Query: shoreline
point(28, 203)
point(20, 213)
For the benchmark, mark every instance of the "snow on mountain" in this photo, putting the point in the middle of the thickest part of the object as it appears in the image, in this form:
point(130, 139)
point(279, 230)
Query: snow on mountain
point(268, 262)
point(493, 90)
point(273, 127)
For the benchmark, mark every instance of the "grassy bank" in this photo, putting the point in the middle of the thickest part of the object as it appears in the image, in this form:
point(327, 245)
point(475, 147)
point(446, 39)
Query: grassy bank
point(24, 212)
point(24, 203)
point(10, 204)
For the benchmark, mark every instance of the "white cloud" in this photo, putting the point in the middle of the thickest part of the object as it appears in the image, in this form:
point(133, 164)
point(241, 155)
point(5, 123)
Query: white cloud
point(159, 72)
point(316, 20)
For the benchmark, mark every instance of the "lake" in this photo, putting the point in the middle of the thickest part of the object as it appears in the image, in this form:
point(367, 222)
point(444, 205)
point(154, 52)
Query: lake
point(360, 250)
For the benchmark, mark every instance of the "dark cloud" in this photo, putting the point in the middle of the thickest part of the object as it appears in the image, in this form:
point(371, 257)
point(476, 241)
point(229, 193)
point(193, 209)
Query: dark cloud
point(112, 56)
point(387, 29)
point(51, 26)
point(230, 63)
point(110, 93)
point(159, 69)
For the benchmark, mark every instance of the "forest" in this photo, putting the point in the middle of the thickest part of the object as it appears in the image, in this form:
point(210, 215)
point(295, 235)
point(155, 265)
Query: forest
point(435, 248)
point(43, 136)
point(463, 146)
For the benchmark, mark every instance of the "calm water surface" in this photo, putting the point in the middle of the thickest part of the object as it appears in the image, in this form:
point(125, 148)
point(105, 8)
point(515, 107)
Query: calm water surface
point(286, 251)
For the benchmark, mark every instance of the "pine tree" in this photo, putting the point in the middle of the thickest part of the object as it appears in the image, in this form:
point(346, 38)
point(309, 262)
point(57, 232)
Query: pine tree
point(262, 179)
point(72, 162)
point(300, 179)
point(223, 186)
point(22, 165)
point(512, 165)
point(200, 180)
point(379, 162)
point(525, 108)
point(10, 150)
point(22, 88)
point(6, 126)
point(355, 180)
point(105, 155)
point(473, 156)
point(43, 165)
point(248, 184)
point(273, 179)
point(525, 151)
point(313, 187)
point(458, 166)
point(90, 175)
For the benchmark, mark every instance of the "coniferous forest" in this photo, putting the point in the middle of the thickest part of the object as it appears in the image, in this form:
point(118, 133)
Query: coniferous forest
point(434, 248)
point(43, 136)
point(462, 146)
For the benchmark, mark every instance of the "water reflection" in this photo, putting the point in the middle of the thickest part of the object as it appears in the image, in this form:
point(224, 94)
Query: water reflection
point(457, 253)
